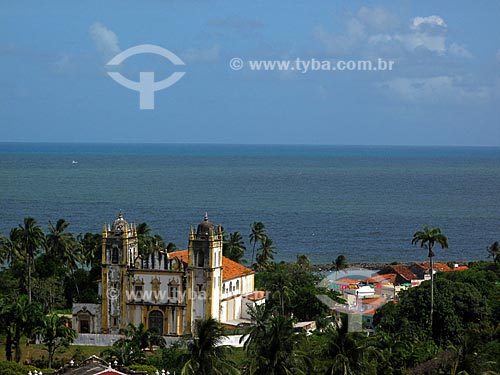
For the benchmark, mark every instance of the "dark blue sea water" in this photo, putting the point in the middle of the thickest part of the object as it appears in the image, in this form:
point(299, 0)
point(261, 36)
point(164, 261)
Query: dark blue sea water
point(363, 202)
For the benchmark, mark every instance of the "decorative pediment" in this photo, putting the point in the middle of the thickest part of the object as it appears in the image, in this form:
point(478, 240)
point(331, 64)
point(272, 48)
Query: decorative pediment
point(138, 281)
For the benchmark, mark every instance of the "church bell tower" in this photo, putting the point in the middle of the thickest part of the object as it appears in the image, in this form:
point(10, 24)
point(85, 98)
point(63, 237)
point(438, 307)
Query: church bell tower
point(204, 271)
point(119, 252)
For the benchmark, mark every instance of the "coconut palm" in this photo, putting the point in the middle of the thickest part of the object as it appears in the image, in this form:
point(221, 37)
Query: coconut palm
point(428, 238)
point(171, 247)
point(273, 345)
point(24, 318)
point(494, 252)
point(144, 338)
point(234, 248)
point(281, 289)
point(207, 356)
point(144, 238)
point(9, 247)
point(265, 255)
point(339, 264)
point(56, 334)
point(30, 239)
point(90, 247)
point(257, 235)
point(62, 245)
point(125, 352)
point(344, 350)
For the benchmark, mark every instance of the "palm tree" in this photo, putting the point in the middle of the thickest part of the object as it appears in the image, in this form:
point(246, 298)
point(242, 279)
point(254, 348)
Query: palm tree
point(125, 352)
point(282, 288)
point(265, 255)
point(25, 317)
point(90, 247)
point(207, 356)
point(273, 347)
point(339, 264)
point(62, 245)
point(144, 238)
point(144, 338)
point(344, 350)
point(30, 239)
point(427, 238)
point(234, 248)
point(494, 252)
point(9, 247)
point(258, 233)
point(56, 334)
point(171, 247)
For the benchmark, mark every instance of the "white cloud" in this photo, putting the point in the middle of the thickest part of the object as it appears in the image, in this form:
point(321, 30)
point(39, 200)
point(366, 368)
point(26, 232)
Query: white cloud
point(433, 21)
point(459, 50)
point(372, 28)
point(341, 44)
point(105, 40)
point(201, 55)
point(435, 89)
point(427, 33)
point(377, 19)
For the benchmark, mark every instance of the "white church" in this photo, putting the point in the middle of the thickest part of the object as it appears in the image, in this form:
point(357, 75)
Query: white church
point(166, 291)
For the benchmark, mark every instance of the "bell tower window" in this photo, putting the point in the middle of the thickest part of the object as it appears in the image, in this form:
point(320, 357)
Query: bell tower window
point(114, 255)
point(201, 259)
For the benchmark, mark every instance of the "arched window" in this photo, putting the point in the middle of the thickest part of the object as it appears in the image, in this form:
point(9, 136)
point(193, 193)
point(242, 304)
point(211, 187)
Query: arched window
point(237, 285)
point(156, 321)
point(114, 255)
point(201, 259)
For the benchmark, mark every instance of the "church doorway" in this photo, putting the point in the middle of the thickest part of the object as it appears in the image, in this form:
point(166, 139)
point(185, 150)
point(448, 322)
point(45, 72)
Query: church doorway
point(156, 321)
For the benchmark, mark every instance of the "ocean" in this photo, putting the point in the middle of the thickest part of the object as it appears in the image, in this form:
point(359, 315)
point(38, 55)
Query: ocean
point(361, 201)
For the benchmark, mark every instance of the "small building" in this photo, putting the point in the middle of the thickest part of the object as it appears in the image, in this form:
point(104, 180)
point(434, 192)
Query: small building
point(94, 366)
point(403, 274)
point(422, 270)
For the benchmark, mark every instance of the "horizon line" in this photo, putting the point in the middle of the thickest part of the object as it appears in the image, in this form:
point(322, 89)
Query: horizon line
point(241, 144)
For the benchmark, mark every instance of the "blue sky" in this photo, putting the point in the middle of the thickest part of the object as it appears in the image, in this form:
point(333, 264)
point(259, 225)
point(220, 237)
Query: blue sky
point(444, 88)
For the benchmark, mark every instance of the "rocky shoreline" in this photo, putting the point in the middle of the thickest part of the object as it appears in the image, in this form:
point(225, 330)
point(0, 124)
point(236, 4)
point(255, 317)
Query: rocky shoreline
point(369, 266)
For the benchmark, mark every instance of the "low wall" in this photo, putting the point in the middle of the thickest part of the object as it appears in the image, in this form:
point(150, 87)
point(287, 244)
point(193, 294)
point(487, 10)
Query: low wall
point(90, 339)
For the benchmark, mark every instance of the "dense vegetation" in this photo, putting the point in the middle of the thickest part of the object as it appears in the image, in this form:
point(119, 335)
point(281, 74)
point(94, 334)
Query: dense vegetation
point(448, 325)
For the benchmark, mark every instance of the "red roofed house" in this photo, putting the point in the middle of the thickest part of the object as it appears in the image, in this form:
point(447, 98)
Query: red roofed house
point(422, 270)
point(165, 291)
point(403, 274)
point(94, 366)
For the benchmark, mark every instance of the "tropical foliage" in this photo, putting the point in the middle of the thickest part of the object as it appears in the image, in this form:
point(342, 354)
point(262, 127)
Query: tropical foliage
point(56, 269)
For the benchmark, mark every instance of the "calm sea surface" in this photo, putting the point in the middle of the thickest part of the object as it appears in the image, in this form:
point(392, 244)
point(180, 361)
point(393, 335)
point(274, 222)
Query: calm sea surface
point(363, 202)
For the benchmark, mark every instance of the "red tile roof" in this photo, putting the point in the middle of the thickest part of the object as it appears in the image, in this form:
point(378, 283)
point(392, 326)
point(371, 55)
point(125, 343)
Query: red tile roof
point(374, 301)
point(257, 296)
point(443, 267)
point(388, 278)
point(460, 268)
point(181, 254)
point(230, 269)
point(403, 271)
point(348, 281)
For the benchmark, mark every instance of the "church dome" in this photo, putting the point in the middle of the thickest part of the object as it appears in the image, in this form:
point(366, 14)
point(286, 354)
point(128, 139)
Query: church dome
point(205, 228)
point(120, 223)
